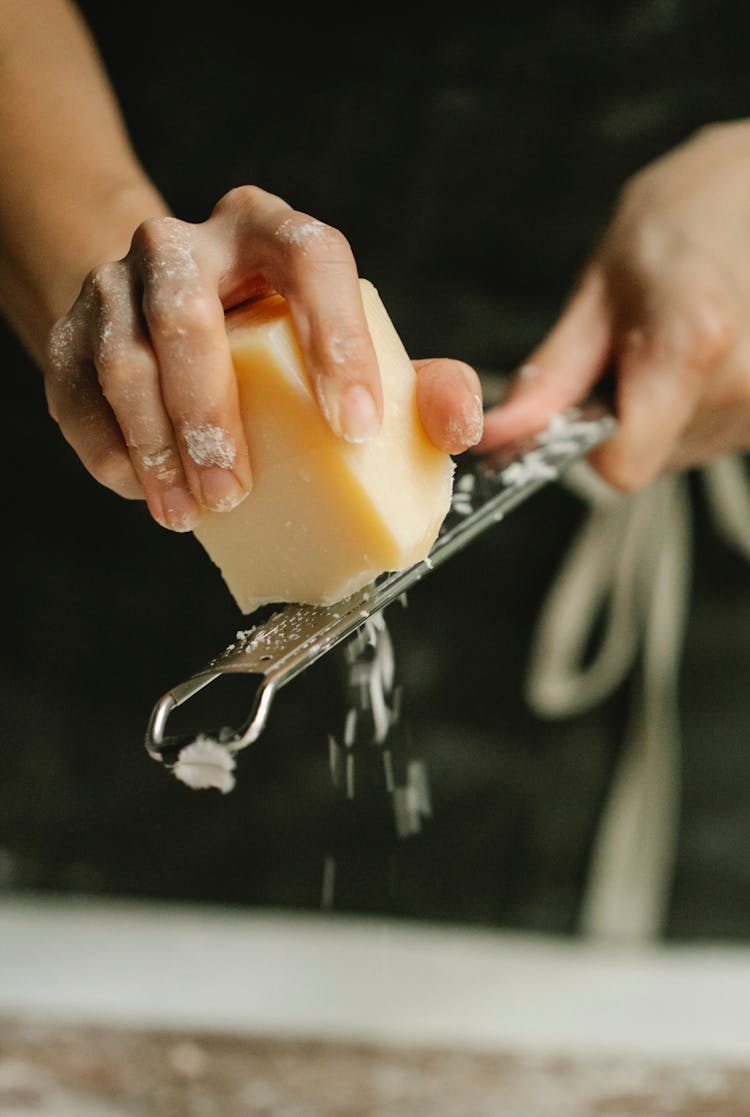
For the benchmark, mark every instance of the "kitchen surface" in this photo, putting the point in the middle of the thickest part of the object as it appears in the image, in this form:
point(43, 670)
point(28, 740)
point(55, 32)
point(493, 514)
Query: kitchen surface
point(124, 1008)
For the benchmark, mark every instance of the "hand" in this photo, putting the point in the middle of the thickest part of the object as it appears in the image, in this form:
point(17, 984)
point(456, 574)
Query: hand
point(139, 374)
point(663, 303)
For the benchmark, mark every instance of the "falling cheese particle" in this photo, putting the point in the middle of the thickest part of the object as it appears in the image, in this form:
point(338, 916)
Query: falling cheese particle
point(325, 516)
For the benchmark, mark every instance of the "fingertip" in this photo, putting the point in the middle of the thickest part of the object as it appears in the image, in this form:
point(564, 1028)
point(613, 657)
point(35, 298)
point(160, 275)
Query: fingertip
point(657, 393)
point(624, 469)
point(449, 401)
point(560, 371)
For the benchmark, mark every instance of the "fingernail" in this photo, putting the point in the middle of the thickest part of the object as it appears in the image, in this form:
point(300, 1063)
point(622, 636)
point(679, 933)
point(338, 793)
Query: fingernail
point(220, 489)
point(179, 511)
point(464, 428)
point(358, 415)
point(474, 421)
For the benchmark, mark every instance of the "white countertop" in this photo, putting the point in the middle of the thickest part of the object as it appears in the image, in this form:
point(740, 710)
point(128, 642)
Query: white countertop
point(243, 971)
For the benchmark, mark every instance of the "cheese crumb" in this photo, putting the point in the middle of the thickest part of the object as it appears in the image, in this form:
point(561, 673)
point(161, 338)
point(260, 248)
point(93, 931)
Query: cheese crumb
point(210, 445)
point(206, 763)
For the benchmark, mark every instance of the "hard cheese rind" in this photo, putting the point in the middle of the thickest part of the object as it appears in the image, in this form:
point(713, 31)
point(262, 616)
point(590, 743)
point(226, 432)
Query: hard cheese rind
point(325, 516)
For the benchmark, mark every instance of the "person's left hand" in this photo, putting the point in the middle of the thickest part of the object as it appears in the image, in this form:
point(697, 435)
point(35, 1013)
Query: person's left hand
point(664, 304)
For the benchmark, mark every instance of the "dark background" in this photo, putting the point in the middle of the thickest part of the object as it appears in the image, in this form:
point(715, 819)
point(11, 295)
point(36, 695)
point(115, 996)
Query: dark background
point(471, 163)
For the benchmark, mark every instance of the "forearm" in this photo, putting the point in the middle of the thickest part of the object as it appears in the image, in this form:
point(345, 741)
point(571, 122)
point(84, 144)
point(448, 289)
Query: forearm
point(71, 189)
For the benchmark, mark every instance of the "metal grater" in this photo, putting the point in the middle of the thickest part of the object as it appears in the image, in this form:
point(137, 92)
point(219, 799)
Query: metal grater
point(295, 637)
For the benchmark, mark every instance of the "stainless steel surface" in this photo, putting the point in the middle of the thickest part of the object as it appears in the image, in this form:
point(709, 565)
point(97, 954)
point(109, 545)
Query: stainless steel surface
point(291, 640)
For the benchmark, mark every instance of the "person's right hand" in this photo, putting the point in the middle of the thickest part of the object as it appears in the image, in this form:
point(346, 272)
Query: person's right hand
point(139, 374)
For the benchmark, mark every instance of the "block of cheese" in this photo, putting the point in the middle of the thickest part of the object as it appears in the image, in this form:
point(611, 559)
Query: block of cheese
point(324, 516)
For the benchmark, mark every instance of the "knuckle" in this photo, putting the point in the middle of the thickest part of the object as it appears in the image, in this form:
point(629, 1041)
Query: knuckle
point(623, 470)
point(337, 242)
point(152, 233)
point(329, 242)
point(60, 352)
point(713, 330)
point(167, 256)
point(102, 284)
point(701, 334)
point(318, 244)
point(241, 198)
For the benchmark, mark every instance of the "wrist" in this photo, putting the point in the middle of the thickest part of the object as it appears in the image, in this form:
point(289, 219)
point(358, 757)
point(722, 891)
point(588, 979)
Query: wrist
point(98, 229)
point(60, 241)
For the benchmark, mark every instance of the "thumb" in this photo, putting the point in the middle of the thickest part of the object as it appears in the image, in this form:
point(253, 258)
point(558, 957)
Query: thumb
point(561, 370)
